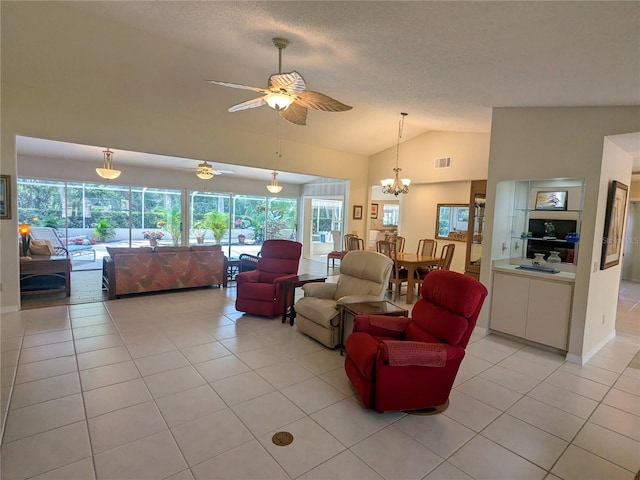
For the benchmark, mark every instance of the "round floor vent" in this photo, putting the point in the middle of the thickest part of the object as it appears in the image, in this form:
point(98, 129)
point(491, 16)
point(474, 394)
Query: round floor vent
point(282, 439)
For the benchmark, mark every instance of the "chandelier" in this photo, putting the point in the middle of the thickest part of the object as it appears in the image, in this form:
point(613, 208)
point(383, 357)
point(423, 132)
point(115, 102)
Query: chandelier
point(205, 171)
point(396, 186)
point(108, 171)
point(274, 187)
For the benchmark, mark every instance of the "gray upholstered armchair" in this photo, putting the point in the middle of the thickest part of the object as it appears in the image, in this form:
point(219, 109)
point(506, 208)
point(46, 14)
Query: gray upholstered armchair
point(364, 277)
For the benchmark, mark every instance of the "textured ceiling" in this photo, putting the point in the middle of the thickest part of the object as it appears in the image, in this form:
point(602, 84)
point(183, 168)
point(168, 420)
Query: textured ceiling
point(445, 63)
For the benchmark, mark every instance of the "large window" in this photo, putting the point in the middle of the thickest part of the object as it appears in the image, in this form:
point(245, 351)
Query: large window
point(133, 216)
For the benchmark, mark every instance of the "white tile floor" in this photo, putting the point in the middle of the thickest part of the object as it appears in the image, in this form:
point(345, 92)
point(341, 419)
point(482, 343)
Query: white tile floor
point(182, 386)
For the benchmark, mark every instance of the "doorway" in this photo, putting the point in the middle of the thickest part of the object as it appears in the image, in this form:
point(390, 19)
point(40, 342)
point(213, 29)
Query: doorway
point(631, 249)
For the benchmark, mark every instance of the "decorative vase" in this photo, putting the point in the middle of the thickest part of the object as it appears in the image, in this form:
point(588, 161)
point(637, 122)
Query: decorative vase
point(241, 239)
point(554, 257)
point(153, 242)
point(538, 260)
point(200, 240)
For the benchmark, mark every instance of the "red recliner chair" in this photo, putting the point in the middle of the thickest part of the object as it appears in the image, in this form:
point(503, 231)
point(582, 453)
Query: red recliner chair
point(398, 363)
point(260, 290)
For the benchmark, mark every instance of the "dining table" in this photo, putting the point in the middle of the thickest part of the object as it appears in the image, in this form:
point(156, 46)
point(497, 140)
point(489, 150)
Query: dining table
point(411, 262)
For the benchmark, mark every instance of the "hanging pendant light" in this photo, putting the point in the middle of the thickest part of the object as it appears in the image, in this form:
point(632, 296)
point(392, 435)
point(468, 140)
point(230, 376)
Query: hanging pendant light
point(274, 187)
point(108, 171)
point(205, 171)
point(396, 186)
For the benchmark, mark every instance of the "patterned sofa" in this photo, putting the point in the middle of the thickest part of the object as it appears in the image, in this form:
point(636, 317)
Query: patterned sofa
point(137, 270)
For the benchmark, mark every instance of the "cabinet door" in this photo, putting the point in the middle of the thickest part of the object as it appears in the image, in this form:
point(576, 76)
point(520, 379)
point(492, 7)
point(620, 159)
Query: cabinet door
point(549, 312)
point(509, 304)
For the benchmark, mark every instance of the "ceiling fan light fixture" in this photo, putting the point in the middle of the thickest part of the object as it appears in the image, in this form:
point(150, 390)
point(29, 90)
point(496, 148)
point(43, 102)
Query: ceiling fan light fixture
point(205, 171)
point(108, 171)
point(273, 187)
point(279, 101)
point(396, 186)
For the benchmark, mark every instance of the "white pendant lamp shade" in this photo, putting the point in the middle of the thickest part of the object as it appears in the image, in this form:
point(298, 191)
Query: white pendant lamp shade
point(274, 187)
point(205, 171)
point(279, 101)
point(396, 186)
point(108, 171)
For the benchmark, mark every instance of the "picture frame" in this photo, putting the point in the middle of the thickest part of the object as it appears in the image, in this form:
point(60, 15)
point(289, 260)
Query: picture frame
point(374, 211)
point(555, 200)
point(357, 212)
point(5, 197)
point(614, 223)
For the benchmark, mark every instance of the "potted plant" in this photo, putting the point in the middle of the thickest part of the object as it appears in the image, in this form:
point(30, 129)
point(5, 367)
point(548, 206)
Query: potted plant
point(153, 236)
point(241, 238)
point(104, 231)
point(218, 223)
point(172, 222)
point(199, 231)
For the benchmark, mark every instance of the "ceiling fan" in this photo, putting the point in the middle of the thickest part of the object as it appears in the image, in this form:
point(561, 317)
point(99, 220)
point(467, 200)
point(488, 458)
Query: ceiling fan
point(287, 94)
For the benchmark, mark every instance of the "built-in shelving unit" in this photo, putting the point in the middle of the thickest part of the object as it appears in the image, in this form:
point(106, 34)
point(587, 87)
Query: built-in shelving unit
point(527, 233)
point(536, 306)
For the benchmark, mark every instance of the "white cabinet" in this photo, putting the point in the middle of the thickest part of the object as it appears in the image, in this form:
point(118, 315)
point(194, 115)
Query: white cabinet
point(532, 308)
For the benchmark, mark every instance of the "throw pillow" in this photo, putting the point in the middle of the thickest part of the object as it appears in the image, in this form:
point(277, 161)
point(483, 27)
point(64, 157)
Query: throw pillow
point(41, 247)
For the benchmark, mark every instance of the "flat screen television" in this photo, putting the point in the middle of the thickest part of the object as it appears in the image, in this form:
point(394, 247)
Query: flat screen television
point(538, 228)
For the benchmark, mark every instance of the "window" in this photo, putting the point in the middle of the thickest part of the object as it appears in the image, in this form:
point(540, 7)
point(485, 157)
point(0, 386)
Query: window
point(390, 214)
point(452, 221)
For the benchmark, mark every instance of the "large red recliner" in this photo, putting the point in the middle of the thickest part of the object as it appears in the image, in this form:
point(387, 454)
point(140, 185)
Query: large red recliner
point(260, 290)
point(399, 363)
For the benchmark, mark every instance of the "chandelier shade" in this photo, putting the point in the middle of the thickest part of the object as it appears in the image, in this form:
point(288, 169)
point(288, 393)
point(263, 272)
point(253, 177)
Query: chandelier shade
point(108, 171)
point(396, 185)
point(273, 187)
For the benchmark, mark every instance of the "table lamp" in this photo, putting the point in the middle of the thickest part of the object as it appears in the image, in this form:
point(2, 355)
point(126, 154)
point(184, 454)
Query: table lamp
point(25, 231)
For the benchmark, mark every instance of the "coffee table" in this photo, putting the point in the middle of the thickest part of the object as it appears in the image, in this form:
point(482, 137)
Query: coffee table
point(350, 310)
point(288, 291)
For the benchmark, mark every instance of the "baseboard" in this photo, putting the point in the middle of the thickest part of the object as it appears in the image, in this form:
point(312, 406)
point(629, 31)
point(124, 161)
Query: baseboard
point(481, 331)
point(582, 359)
point(10, 309)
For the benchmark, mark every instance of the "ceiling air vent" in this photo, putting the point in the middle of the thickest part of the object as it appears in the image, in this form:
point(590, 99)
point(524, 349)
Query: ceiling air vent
point(444, 162)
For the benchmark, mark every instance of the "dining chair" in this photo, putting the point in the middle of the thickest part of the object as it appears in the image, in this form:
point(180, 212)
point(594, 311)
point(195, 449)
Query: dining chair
point(337, 253)
point(446, 256)
point(399, 275)
point(427, 247)
point(399, 241)
point(355, 243)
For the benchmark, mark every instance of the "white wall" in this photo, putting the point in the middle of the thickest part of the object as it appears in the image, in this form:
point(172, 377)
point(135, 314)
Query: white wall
point(469, 154)
point(69, 170)
point(539, 143)
point(418, 213)
point(600, 321)
point(109, 121)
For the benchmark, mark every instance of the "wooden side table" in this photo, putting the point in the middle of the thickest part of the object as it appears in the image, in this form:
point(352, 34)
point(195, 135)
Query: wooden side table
point(43, 275)
point(288, 291)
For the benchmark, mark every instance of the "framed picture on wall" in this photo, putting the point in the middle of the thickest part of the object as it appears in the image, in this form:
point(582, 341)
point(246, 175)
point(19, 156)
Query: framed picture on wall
point(614, 220)
point(374, 211)
point(357, 212)
point(5, 197)
point(551, 201)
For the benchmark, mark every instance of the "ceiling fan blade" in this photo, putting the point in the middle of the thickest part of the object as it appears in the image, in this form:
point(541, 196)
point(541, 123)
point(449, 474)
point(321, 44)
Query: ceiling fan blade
point(291, 82)
point(295, 113)
point(256, 102)
point(320, 101)
point(236, 85)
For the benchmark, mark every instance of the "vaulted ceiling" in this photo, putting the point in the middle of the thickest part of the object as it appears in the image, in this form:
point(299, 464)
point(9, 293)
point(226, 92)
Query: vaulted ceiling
point(445, 63)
